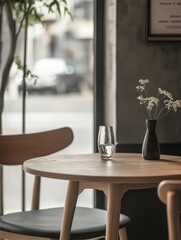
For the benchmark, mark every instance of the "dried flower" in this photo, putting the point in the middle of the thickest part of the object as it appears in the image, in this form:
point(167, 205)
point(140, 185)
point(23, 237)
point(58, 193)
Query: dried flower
point(157, 107)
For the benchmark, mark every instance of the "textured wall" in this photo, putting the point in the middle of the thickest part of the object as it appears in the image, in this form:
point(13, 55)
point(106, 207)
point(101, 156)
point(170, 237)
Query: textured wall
point(136, 58)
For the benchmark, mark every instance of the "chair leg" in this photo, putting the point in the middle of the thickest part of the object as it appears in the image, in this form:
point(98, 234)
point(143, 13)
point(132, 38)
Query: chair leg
point(123, 234)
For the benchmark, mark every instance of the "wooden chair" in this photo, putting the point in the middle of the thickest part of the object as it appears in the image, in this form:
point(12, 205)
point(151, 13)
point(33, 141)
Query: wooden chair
point(45, 223)
point(169, 192)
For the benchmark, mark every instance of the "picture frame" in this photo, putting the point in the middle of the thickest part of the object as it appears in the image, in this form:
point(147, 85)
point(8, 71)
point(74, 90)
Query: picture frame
point(163, 20)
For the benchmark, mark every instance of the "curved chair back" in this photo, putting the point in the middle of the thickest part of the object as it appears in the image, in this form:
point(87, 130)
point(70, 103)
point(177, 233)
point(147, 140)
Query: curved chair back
point(15, 149)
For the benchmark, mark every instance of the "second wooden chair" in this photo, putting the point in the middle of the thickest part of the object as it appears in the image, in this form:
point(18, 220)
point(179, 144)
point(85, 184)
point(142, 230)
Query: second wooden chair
point(169, 192)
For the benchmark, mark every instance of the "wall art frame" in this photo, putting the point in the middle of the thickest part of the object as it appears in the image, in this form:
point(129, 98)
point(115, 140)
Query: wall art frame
point(163, 20)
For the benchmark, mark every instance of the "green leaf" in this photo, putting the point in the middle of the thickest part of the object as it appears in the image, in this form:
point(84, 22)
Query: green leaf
point(18, 62)
point(29, 76)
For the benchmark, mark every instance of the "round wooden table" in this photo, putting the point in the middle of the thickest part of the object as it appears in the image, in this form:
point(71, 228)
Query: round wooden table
point(124, 172)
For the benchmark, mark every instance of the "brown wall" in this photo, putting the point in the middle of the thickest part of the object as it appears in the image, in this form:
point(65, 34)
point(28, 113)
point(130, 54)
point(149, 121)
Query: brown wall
point(138, 59)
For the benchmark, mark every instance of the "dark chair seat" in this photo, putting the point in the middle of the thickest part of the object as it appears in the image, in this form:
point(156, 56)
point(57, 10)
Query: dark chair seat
point(87, 222)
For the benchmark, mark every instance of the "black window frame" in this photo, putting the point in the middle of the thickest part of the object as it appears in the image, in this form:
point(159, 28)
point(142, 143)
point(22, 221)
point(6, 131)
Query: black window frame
point(99, 80)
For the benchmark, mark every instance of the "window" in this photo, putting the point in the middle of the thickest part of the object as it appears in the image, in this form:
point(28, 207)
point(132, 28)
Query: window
point(60, 53)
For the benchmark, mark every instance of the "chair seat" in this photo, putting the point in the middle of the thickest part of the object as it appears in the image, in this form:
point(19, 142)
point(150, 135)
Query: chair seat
point(87, 223)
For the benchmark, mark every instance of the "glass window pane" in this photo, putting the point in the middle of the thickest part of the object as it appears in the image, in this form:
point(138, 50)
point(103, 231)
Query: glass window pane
point(60, 54)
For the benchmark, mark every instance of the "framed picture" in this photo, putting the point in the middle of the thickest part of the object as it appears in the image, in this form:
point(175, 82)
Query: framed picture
point(163, 20)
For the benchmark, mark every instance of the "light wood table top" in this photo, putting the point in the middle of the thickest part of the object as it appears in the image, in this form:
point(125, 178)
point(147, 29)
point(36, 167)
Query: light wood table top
point(124, 168)
point(125, 171)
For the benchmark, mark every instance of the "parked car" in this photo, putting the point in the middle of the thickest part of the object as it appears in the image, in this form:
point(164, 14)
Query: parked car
point(53, 75)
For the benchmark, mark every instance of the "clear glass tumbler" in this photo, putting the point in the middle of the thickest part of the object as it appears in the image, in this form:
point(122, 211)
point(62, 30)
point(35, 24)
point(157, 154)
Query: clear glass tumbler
point(106, 142)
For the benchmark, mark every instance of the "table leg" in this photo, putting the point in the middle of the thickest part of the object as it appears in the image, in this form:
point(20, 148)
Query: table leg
point(115, 193)
point(70, 204)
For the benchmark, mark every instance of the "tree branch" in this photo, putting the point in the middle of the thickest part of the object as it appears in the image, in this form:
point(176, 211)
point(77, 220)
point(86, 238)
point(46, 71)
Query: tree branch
point(23, 19)
point(1, 44)
point(1, 22)
point(10, 58)
point(11, 21)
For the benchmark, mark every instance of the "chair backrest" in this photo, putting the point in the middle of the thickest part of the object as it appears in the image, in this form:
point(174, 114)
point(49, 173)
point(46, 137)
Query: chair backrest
point(15, 149)
point(169, 192)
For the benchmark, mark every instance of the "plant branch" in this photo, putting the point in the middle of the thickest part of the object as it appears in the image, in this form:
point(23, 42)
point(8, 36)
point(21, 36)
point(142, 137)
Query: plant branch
point(145, 104)
point(163, 114)
point(23, 19)
point(11, 21)
point(12, 27)
point(1, 44)
point(10, 58)
point(24, 76)
point(156, 109)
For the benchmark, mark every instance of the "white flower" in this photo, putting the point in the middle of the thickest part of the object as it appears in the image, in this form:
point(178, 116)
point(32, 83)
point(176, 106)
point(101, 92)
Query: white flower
point(143, 81)
point(157, 107)
point(167, 94)
point(152, 101)
point(140, 88)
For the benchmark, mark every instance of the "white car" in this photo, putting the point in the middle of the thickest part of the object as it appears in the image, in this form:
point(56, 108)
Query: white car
point(53, 75)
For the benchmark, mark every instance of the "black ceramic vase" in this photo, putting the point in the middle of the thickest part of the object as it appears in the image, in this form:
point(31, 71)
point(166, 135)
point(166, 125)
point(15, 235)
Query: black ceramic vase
point(150, 147)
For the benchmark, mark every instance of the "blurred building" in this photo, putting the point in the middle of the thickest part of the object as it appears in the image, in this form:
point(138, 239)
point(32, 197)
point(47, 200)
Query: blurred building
point(66, 38)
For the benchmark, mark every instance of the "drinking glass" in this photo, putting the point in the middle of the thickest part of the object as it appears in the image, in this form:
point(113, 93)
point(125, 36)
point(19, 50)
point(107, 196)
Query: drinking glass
point(106, 143)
